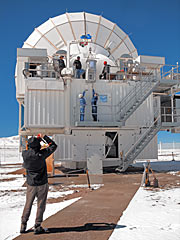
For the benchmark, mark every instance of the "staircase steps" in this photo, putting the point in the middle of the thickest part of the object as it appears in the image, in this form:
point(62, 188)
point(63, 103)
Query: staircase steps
point(135, 98)
point(136, 149)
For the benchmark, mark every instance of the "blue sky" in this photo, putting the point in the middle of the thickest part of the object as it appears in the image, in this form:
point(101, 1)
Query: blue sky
point(153, 26)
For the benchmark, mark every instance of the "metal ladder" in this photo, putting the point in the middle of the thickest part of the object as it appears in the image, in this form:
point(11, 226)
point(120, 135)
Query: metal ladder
point(136, 97)
point(140, 144)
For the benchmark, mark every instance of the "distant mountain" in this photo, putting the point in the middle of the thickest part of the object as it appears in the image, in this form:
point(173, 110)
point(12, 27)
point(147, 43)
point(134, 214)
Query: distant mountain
point(9, 142)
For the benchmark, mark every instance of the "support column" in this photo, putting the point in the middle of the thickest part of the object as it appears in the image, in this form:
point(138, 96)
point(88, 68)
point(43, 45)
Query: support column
point(67, 105)
point(172, 105)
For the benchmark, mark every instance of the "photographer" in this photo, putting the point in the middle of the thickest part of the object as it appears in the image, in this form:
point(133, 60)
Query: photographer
point(37, 179)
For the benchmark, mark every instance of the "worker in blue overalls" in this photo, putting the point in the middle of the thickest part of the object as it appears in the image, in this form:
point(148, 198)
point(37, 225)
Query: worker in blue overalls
point(94, 105)
point(82, 105)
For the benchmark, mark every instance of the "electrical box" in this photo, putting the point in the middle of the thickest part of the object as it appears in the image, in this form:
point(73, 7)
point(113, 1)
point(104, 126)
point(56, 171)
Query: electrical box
point(91, 70)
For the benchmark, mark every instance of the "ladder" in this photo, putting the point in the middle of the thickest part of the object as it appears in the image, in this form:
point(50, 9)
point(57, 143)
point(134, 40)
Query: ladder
point(136, 97)
point(140, 144)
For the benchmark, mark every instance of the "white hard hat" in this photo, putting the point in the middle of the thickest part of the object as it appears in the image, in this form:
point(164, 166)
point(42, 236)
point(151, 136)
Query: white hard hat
point(80, 95)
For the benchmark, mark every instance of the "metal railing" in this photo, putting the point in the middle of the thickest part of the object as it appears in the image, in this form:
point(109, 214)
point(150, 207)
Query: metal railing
point(131, 73)
point(155, 120)
point(170, 72)
point(130, 153)
point(169, 114)
point(105, 113)
point(41, 70)
point(155, 123)
point(138, 94)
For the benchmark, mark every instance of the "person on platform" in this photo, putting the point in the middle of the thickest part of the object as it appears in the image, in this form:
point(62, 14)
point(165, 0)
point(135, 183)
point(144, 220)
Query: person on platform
point(82, 105)
point(61, 64)
point(94, 105)
point(78, 68)
point(105, 71)
point(37, 179)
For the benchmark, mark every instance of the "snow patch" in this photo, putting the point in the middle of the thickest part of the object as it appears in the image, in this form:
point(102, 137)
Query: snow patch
point(150, 215)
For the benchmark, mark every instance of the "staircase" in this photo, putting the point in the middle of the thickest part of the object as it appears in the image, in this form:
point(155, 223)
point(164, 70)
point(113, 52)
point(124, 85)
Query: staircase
point(141, 143)
point(136, 97)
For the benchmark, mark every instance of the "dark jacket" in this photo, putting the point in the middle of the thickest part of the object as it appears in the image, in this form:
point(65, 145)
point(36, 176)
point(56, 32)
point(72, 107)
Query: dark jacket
point(61, 63)
point(106, 68)
point(77, 64)
point(35, 165)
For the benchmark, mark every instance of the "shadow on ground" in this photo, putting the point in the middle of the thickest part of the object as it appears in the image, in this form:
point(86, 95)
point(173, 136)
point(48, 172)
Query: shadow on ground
point(87, 227)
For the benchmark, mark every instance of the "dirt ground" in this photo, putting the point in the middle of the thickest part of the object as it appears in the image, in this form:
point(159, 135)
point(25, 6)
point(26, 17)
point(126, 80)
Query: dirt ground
point(96, 214)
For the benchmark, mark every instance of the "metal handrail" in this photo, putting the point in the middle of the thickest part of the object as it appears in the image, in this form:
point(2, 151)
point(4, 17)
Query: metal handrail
point(130, 93)
point(148, 125)
point(143, 135)
point(136, 90)
point(135, 93)
point(27, 71)
point(132, 71)
point(110, 112)
point(174, 70)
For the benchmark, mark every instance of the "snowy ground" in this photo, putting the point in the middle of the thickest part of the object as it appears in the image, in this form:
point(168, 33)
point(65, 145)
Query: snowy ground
point(150, 215)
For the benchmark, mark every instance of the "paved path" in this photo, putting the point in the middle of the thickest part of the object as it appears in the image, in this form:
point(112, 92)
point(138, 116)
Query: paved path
point(95, 215)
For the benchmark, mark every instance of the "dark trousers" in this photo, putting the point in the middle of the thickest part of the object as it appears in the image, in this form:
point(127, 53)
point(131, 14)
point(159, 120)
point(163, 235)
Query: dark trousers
point(94, 113)
point(41, 193)
point(102, 76)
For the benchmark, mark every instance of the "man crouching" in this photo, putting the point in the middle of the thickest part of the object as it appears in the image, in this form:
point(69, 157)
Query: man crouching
point(37, 179)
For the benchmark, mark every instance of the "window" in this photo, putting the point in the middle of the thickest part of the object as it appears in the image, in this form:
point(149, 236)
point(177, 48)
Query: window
point(111, 145)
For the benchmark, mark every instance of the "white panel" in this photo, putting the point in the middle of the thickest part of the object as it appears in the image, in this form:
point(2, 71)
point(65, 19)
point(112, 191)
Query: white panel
point(66, 31)
point(42, 109)
point(61, 19)
point(78, 28)
point(103, 34)
point(92, 18)
point(151, 60)
point(119, 32)
point(126, 140)
point(43, 43)
point(75, 49)
point(23, 52)
point(76, 16)
point(99, 50)
point(143, 115)
point(20, 80)
point(55, 38)
point(114, 41)
point(94, 159)
point(46, 27)
point(79, 146)
point(106, 23)
point(122, 49)
point(33, 38)
point(96, 137)
point(64, 150)
point(37, 84)
point(91, 29)
point(129, 44)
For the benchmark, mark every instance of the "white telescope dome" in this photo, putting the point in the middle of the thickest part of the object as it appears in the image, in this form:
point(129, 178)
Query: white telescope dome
point(107, 38)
